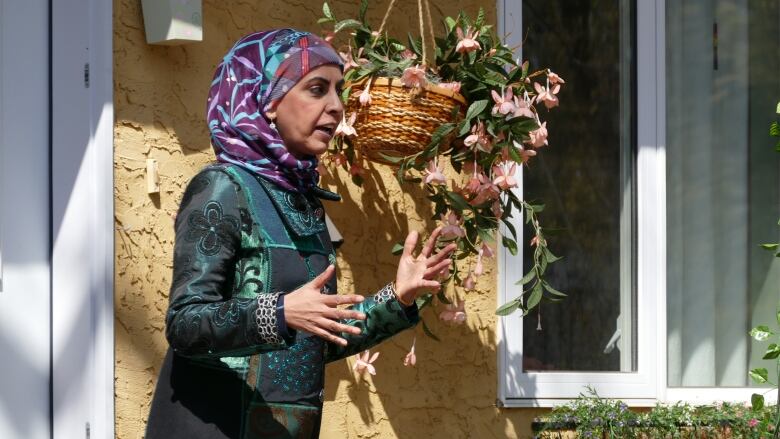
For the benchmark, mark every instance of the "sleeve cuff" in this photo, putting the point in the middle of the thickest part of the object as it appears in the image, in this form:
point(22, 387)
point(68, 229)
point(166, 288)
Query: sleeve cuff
point(387, 294)
point(265, 318)
point(287, 333)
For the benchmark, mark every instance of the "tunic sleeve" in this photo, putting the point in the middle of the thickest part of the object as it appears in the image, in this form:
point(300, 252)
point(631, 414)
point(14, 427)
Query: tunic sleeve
point(204, 319)
point(385, 317)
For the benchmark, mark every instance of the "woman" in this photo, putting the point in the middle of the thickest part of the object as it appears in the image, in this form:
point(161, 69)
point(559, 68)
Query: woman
point(253, 315)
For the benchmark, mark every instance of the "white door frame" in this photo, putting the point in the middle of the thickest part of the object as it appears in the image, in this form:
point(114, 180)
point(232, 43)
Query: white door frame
point(82, 219)
point(517, 388)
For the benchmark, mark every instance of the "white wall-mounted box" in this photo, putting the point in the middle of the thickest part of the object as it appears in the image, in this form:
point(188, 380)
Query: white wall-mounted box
point(173, 22)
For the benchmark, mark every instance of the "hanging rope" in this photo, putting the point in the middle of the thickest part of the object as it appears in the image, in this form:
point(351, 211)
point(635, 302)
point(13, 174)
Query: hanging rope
point(430, 28)
point(421, 14)
point(384, 21)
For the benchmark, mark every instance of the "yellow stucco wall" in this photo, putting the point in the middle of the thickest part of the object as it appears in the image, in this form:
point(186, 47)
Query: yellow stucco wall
point(160, 95)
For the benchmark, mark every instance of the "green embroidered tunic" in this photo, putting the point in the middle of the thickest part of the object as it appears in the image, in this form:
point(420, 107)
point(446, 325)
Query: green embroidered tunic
point(230, 372)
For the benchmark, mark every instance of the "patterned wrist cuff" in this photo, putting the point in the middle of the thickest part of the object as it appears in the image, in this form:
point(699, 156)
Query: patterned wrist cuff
point(265, 317)
point(386, 294)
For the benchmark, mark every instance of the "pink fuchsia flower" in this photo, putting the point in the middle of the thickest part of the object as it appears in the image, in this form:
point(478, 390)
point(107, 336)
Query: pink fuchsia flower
point(535, 241)
point(525, 154)
point(356, 169)
point(452, 228)
point(338, 159)
point(345, 127)
point(408, 54)
point(487, 192)
point(434, 174)
point(487, 251)
point(454, 314)
point(411, 358)
point(363, 363)
point(414, 77)
point(554, 78)
point(496, 209)
point(349, 61)
point(478, 138)
point(365, 97)
point(523, 107)
point(503, 104)
point(546, 95)
point(478, 267)
point(475, 183)
point(505, 175)
point(454, 86)
point(329, 36)
point(752, 423)
point(538, 137)
point(468, 42)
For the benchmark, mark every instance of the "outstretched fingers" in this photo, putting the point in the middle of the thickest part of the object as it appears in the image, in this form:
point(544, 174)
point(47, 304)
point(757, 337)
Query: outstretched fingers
point(443, 254)
point(410, 243)
point(431, 243)
point(433, 272)
point(323, 278)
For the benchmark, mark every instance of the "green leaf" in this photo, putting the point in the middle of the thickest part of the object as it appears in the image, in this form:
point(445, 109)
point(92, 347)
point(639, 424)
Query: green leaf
point(757, 401)
point(428, 331)
point(439, 134)
point(760, 333)
point(391, 159)
point(476, 108)
point(458, 201)
point(326, 11)
point(778, 108)
point(349, 23)
point(465, 126)
point(324, 20)
point(363, 9)
point(549, 256)
point(772, 352)
point(531, 275)
point(552, 290)
point(496, 68)
point(398, 248)
point(450, 23)
point(443, 297)
point(774, 129)
point(508, 308)
point(534, 298)
point(770, 246)
point(759, 375)
point(537, 208)
point(511, 228)
point(510, 245)
point(778, 317)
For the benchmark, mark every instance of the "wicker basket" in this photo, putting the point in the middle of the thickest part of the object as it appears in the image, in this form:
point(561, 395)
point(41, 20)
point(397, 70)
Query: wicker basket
point(398, 123)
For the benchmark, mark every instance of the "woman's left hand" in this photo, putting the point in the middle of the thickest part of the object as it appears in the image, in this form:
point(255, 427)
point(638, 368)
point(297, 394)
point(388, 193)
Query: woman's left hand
point(418, 274)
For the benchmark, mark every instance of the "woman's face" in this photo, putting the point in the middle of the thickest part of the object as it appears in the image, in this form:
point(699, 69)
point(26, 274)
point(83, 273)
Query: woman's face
point(307, 116)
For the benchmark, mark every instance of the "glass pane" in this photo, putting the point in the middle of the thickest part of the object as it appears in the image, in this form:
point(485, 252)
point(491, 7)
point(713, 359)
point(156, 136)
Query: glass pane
point(585, 180)
point(723, 59)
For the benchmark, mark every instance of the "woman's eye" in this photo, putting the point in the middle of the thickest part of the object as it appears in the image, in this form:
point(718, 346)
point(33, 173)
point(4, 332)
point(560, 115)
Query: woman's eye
point(318, 90)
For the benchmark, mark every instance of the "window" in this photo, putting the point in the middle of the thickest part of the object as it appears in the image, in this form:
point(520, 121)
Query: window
point(662, 182)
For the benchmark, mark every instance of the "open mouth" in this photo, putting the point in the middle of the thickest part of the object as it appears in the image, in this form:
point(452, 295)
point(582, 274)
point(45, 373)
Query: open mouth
point(327, 129)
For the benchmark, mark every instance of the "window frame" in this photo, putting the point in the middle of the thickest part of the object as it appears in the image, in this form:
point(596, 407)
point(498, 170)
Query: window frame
point(647, 385)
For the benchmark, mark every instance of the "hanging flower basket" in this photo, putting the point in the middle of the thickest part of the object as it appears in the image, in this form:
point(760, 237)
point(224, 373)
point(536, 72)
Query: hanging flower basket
point(458, 101)
point(400, 123)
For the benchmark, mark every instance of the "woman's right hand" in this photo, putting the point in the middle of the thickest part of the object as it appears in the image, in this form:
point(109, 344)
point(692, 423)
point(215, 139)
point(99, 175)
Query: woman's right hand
point(307, 309)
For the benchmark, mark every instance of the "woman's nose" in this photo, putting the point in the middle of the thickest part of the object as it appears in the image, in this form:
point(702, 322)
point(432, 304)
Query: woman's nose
point(335, 106)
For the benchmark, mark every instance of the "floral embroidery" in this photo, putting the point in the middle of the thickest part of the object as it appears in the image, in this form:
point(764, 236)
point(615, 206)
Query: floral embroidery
point(211, 228)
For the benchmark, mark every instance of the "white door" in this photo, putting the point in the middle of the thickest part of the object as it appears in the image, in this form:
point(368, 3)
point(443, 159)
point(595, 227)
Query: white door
point(25, 243)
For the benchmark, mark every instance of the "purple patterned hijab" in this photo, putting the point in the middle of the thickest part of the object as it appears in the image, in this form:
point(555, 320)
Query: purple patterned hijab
point(251, 79)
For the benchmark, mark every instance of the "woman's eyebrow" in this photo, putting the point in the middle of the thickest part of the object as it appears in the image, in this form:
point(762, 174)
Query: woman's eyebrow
point(326, 81)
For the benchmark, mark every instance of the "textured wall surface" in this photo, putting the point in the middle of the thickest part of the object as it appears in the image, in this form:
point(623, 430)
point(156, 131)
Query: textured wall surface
point(160, 95)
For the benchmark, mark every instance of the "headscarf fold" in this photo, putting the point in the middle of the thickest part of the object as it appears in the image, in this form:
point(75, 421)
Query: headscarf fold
point(251, 79)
